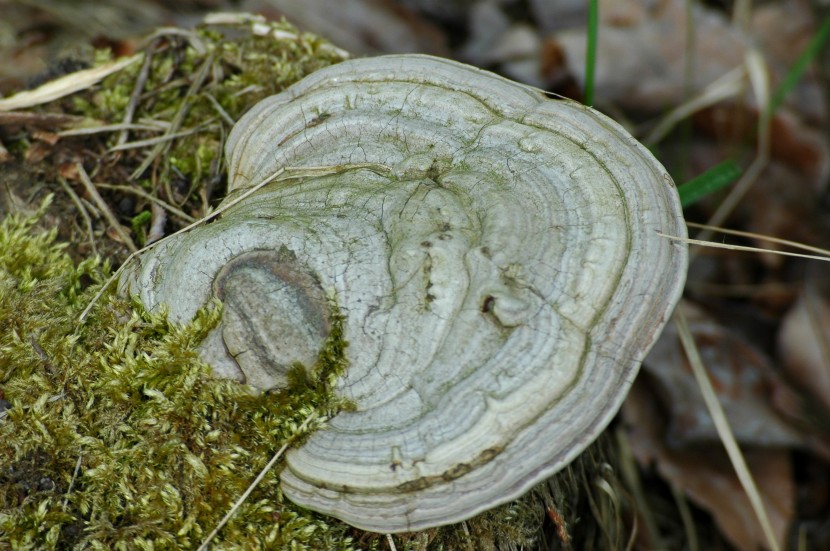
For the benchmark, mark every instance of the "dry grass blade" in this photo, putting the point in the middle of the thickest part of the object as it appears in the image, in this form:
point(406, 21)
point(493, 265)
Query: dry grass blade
point(760, 237)
point(84, 214)
point(742, 14)
point(155, 200)
point(178, 119)
point(631, 479)
point(219, 109)
point(141, 79)
point(86, 131)
point(111, 219)
point(727, 86)
point(72, 481)
point(716, 245)
point(685, 517)
point(129, 259)
point(759, 77)
point(157, 140)
point(723, 428)
point(608, 511)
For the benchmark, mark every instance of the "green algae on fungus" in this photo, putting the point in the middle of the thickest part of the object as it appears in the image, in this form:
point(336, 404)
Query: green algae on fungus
point(117, 437)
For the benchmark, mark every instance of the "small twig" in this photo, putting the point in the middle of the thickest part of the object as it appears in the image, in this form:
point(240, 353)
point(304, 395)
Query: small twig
point(84, 213)
point(41, 353)
point(72, 482)
point(391, 542)
point(255, 483)
point(140, 80)
point(199, 79)
point(113, 221)
point(43, 121)
point(152, 198)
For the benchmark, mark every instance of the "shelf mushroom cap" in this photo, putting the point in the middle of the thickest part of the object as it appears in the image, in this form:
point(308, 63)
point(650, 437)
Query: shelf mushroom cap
point(501, 280)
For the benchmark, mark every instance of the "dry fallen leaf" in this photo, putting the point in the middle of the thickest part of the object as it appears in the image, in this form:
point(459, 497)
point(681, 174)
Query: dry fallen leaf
point(745, 381)
point(706, 476)
point(804, 341)
point(647, 60)
point(64, 86)
point(642, 53)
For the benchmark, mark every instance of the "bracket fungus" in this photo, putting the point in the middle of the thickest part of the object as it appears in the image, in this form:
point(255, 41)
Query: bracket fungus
point(496, 257)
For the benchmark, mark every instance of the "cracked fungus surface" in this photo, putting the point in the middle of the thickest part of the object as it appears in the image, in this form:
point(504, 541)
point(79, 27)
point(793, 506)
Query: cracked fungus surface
point(498, 267)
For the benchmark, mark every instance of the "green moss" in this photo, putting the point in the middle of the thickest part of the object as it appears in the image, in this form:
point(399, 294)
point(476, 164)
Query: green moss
point(162, 450)
point(138, 223)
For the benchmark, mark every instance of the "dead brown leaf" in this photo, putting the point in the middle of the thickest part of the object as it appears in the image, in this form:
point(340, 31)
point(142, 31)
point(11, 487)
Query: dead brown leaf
point(804, 340)
point(744, 379)
point(706, 476)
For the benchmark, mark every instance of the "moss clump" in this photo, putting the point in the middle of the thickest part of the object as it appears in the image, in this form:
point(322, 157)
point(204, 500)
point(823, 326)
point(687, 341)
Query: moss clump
point(117, 438)
point(200, 81)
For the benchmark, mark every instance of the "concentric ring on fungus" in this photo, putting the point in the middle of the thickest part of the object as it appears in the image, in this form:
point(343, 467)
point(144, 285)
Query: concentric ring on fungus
point(500, 285)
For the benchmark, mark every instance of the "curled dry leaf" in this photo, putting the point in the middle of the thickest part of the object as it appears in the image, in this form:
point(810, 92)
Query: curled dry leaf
point(496, 257)
point(642, 52)
point(64, 86)
point(705, 474)
point(648, 61)
point(747, 385)
point(804, 340)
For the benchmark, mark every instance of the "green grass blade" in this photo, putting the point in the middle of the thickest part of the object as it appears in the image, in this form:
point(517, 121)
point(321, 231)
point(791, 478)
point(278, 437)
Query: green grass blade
point(717, 177)
point(591, 51)
point(800, 66)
